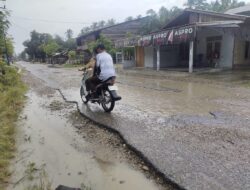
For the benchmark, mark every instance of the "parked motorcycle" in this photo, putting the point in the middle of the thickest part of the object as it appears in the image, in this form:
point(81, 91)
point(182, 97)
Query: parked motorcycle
point(105, 95)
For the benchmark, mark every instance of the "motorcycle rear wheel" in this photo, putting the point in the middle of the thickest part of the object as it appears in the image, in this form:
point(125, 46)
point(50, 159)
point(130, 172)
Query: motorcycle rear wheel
point(108, 102)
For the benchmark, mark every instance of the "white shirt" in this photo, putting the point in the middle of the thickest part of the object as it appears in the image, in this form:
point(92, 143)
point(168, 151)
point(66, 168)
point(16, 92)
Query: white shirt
point(105, 62)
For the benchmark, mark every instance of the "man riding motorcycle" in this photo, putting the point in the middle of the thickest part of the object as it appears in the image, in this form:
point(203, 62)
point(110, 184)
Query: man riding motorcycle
point(103, 70)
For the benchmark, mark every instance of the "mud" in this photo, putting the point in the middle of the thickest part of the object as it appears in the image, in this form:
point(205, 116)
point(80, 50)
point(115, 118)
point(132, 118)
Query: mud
point(192, 128)
point(55, 140)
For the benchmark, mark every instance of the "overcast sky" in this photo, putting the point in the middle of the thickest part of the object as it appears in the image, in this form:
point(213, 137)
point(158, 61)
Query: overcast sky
point(56, 16)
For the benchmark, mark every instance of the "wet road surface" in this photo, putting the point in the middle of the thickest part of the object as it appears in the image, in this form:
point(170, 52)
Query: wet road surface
point(48, 142)
point(195, 130)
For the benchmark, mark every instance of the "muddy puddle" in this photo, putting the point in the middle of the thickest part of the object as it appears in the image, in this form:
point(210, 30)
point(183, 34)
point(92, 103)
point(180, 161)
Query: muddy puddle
point(48, 143)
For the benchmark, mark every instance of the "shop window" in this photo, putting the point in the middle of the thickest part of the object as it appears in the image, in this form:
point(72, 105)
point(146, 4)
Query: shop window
point(247, 50)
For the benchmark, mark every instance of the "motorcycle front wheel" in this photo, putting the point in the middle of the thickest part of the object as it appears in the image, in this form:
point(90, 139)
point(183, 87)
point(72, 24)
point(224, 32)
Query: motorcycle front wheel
point(83, 94)
point(108, 102)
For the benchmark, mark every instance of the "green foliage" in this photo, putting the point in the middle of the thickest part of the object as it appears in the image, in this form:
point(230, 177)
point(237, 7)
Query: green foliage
point(33, 46)
point(6, 44)
point(96, 25)
point(106, 42)
point(70, 44)
point(217, 5)
point(129, 18)
point(197, 4)
point(11, 100)
point(41, 45)
point(9, 46)
point(38, 177)
point(158, 20)
point(50, 48)
point(69, 33)
point(224, 5)
point(72, 54)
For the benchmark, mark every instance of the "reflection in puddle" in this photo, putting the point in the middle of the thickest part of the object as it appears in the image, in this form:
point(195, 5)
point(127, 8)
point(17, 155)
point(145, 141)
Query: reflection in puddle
point(69, 159)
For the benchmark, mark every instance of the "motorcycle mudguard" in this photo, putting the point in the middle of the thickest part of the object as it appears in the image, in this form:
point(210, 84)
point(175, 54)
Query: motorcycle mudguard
point(115, 96)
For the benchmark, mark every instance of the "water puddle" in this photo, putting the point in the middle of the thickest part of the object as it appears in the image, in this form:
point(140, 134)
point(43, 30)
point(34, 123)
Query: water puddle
point(46, 138)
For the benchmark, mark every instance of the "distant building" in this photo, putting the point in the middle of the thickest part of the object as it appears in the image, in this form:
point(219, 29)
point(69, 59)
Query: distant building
point(59, 58)
point(114, 32)
point(194, 39)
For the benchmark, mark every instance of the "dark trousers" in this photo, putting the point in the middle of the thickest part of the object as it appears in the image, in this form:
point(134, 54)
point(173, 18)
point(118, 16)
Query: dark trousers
point(92, 82)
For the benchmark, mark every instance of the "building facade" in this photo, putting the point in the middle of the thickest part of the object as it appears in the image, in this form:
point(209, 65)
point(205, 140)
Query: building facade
point(195, 39)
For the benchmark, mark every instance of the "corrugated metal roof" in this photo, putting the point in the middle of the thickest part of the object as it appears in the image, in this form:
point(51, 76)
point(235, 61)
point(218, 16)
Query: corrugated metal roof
point(239, 10)
point(99, 30)
point(212, 13)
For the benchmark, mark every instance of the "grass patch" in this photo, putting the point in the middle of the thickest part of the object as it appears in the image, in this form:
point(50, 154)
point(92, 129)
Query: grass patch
point(72, 65)
point(12, 97)
point(38, 176)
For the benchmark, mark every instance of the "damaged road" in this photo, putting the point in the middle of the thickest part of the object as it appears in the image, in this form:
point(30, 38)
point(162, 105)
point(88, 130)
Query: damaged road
point(193, 129)
point(56, 145)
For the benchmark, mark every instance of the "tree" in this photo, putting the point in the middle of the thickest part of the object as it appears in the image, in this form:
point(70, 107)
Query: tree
point(33, 45)
point(94, 26)
point(163, 15)
point(6, 44)
point(224, 5)
point(70, 44)
point(85, 30)
point(106, 42)
point(217, 5)
point(138, 16)
point(197, 4)
point(10, 47)
point(101, 24)
point(50, 48)
point(72, 54)
point(110, 22)
point(69, 34)
point(151, 12)
point(42, 45)
point(23, 56)
point(129, 18)
point(152, 23)
point(59, 40)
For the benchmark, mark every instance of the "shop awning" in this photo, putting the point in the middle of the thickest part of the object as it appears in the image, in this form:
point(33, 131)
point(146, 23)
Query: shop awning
point(169, 36)
point(175, 35)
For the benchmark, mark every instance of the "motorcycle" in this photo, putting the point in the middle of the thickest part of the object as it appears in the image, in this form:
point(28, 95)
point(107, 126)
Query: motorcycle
point(105, 94)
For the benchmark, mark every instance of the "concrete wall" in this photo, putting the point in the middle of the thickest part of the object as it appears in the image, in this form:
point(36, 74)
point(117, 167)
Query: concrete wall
point(149, 57)
point(240, 48)
point(239, 54)
point(227, 46)
point(128, 64)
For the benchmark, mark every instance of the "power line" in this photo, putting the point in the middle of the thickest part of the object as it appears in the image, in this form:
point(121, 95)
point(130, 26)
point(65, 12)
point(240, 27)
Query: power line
point(50, 21)
point(18, 26)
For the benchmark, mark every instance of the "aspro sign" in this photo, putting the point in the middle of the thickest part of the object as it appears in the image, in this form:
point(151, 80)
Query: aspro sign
point(184, 31)
point(161, 35)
